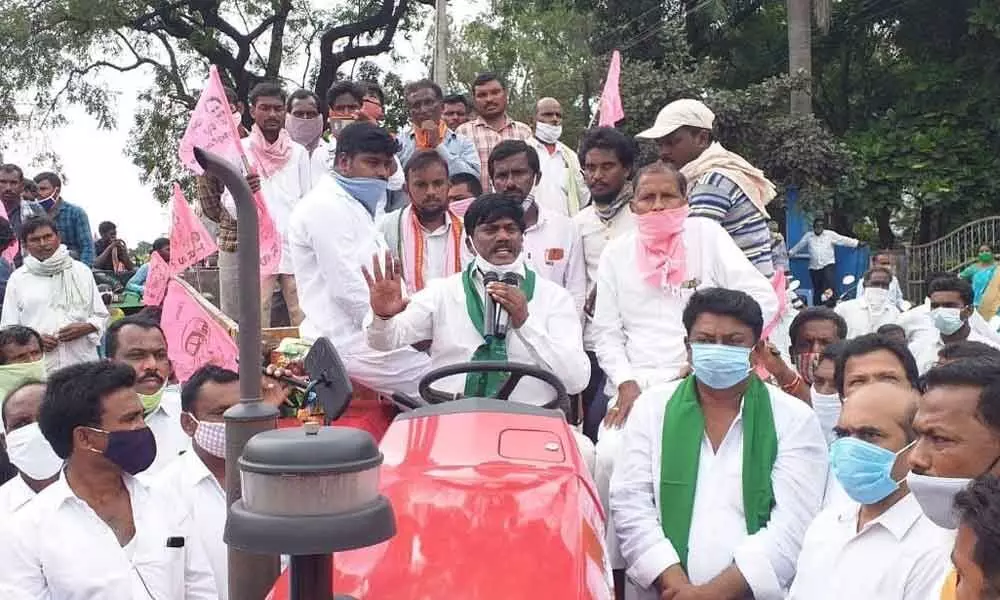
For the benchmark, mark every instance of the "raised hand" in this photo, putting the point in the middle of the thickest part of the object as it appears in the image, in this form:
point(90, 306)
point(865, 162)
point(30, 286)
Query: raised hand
point(385, 291)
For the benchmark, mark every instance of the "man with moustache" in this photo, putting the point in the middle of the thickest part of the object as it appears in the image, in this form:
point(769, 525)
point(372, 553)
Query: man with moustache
point(12, 184)
point(456, 111)
point(493, 125)
point(425, 237)
point(428, 131)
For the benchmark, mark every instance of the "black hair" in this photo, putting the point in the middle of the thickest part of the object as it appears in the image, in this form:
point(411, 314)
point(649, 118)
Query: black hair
point(348, 87)
point(484, 78)
point(230, 95)
point(12, 168)
point(952, 284)
point(153, 314)
point(935, 275)
point(7, 236)
point(488, 208)
point(980, 372)
point(832, 352)
point(470, 180)
point(721, 301)
point(17, 334)
point(978, 508)
point(665, 169)
point(111, 337)
point(49, 176)
point(302, 94)
point(423, 84)
point(873, 342)
point(267, 89)
point(509, 148)
point(456, 99)
point(204, 375)
point(890, 328)
point(423, 159)
point(161, 243)
point(20, 386)
point(33, 224)
point(968, 349)
point(819, 220)
point(29, 184)
point(868, 274)
point(609, 138)
point(365, 137)
point(105, 227)
point(816, 313)
point(73, 398)
point(372, 88)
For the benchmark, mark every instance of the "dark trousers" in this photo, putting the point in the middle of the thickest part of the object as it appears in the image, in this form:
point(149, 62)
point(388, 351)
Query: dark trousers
point(822, 280)
point(595, 401)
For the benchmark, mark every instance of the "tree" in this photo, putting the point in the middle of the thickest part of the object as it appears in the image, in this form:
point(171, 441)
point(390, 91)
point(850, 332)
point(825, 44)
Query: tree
point(56, 50)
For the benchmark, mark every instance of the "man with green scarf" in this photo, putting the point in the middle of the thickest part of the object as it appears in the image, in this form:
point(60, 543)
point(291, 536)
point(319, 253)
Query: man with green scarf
point(544, 326)
point(721, 473)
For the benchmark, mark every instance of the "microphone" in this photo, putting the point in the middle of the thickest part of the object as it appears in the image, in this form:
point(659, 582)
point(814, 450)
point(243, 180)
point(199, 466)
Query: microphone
point(489, 306)
point(503, 317)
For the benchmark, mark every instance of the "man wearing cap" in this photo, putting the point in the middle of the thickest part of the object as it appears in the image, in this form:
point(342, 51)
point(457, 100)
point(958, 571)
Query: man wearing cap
point(722, 185)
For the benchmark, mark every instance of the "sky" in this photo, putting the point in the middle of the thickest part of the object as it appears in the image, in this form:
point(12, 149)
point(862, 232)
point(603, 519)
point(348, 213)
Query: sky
point(101, 178)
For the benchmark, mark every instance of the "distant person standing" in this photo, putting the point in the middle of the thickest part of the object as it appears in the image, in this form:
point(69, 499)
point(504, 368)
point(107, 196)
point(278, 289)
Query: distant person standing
point(456, 111)
point(12, 184)
point(562, 188)
point(71, 220)
point(984, 262)
point(822, 259)
point(111, 251)
point(493, 125)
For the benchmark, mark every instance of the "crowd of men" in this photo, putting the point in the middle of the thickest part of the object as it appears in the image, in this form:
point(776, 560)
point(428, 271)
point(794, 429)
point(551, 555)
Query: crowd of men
point(856, 459)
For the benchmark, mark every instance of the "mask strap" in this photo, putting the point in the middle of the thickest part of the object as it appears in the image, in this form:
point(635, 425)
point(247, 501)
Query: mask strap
point(992, 465)
point(900, 453)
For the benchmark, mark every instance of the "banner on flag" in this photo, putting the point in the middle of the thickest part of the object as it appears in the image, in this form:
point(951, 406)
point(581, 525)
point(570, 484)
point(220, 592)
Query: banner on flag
point(211, 127)
point(194, 338)
point(189, 240)
point(610, 109)
point(270, 241)
point(156, 280)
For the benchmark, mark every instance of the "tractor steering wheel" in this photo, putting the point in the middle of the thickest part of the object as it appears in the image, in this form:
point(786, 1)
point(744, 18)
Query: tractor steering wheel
point(517, 372)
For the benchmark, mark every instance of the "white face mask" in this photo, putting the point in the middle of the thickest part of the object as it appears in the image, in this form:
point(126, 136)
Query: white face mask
point(31, 453)
point(947, 320)
point(876, 298)
point(548, 134)
point(485, 266)
point(936, 497)
point(827, 408)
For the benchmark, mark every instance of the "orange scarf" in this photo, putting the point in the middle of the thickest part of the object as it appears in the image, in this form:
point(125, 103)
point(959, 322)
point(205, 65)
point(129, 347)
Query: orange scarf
point(413, 246)
point(423, 140)
point(948, 592)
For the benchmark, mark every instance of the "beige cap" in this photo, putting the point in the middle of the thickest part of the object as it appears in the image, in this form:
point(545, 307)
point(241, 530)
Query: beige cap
point(677, 114)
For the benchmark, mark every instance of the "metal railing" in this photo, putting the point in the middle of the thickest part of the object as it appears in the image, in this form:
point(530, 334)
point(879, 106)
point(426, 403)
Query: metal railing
point(951, 253)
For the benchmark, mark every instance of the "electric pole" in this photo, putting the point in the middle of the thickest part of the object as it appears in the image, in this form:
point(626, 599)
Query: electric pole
point(441, 45)
point(800, 52)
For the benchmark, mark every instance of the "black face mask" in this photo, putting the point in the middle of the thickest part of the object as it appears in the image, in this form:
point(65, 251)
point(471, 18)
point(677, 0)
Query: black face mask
point(131, 449)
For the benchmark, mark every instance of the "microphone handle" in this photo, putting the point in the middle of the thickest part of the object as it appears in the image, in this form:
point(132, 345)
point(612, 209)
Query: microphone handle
point(489, 315)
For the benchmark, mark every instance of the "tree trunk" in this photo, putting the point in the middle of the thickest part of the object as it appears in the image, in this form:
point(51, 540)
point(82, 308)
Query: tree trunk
point(800, 53)
point(886, 238)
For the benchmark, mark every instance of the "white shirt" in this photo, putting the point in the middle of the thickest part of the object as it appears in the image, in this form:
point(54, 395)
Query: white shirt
point(899, 555)
point(165, 422)
point(862, 320)
point(549, 338)
point(437, 243)
point(189, 479)
point(638, 330)
point(28, 302)
point(13, 496)
point(821, 246)
point(57, 547)
point(895, 292)
point(553, 249)
point(321, 160)
point(596, 234)
point(557, 167)
point(718, 534)
point(926, 351)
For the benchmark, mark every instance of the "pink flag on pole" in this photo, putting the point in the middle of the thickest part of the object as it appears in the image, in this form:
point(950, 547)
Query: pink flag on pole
point(194, 338)
point(610, 109)
point(270, 241)
point(189, 240)
point(156, 280)
point(778, 285)
point(211, 127)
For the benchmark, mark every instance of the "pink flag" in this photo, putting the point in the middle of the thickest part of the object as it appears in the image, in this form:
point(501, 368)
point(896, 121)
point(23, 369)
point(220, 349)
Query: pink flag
point(189, 241)
point(270, 241)
point(778, 285)
point(12, 251)
point(156, 280)
point(194, 338)
point(211, 127)
point(610, 109)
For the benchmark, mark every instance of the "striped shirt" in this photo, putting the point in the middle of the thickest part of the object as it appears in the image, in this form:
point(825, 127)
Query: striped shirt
point(717, 197)
point(486, 139)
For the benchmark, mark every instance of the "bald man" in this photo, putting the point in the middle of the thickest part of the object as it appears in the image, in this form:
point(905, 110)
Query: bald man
point(880, 544)
point(562, 188)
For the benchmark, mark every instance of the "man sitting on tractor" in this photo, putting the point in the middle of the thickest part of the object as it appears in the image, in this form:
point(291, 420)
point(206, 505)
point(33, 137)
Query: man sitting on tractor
point(721, 473)
point(544, 326)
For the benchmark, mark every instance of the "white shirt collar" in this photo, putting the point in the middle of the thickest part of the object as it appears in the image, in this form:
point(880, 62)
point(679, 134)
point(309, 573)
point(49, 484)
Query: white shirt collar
point(61, 493)
point(195, 471)
point(897, 520)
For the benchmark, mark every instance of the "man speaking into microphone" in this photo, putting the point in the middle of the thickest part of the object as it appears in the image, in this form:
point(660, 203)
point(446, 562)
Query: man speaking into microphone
point(495, 309)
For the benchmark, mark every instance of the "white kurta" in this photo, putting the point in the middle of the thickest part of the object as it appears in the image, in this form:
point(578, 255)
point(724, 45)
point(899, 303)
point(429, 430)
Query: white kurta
point(189, 479)
point(718, 534)
point(900, 555)
point(165, 422)
point(861, 319)
point(57, 547)
point(437, 244)
point(321, 160)
point(332, 236)
point(926, 351)
point(27, 302)
point(553, 191)
point(14, 495)
point(821, 247)
point(550, 338)
point(553, 248)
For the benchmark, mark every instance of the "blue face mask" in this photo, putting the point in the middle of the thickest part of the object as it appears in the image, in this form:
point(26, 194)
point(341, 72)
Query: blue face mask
point(369, 191)
point(864, 470)
point(719, 366)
